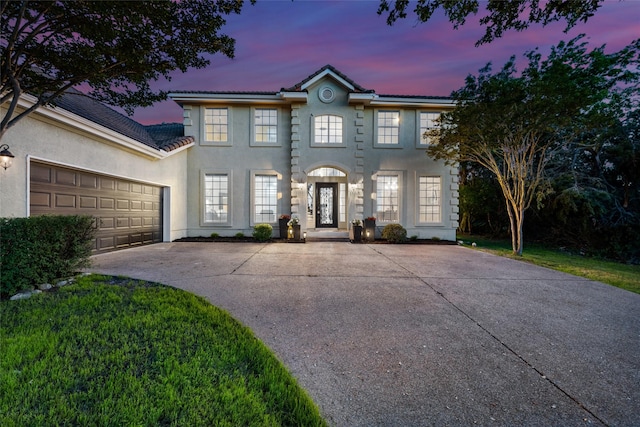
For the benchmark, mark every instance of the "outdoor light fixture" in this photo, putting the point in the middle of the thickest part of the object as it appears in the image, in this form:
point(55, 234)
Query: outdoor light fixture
point(6, 158)
point(304, 235)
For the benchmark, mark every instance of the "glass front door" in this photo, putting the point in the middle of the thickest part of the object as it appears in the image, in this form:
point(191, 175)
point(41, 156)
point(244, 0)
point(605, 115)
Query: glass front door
point(326, 205)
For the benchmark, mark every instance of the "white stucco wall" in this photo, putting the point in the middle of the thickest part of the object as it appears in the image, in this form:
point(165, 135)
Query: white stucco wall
point(47, 139)
point(297, 154)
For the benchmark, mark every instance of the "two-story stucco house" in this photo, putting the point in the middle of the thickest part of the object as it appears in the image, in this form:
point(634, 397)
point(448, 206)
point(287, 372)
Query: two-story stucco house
point(325, 150)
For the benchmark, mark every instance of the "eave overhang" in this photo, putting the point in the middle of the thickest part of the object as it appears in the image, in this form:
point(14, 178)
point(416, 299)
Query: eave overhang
point(77, 122)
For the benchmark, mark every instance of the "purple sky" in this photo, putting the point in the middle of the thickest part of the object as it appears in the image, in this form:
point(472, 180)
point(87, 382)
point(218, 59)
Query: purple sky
point(279, 43)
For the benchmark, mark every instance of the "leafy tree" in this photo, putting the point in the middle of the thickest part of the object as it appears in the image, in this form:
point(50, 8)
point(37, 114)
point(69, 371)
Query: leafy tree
point(513, 123)
point(114, 48)
point(501, 15)
point(596, 203)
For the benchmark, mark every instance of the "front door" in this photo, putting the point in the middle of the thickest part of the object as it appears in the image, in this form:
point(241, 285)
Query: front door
point(326, 205)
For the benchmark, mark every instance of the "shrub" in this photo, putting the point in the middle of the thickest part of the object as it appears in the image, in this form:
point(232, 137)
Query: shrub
point(262, 232)
point(239, 234)
point(215, 235)
point(414, 238)
point(394, 233)
point(41, 249)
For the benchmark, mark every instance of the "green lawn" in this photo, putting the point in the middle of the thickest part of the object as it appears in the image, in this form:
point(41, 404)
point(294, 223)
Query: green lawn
point(620, 275)
point(135, 353)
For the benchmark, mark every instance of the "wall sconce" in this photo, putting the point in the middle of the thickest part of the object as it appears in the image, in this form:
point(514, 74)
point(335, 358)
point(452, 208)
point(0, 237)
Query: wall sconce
point(304, 235)
point(6, 158)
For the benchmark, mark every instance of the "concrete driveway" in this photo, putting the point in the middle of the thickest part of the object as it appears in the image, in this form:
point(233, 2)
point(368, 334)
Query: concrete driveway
point(417, 335)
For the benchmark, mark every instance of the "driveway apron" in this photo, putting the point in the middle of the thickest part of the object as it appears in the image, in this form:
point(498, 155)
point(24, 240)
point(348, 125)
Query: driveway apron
point(420, 335)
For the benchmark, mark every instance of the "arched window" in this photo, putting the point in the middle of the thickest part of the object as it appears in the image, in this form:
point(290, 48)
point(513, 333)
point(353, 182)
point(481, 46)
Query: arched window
point(328, 129)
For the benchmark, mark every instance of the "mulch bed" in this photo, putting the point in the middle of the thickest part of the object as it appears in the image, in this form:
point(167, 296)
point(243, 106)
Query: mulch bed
point(248, 239)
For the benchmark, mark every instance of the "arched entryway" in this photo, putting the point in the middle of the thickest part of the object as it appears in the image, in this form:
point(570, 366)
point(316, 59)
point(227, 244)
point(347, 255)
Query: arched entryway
point(327, 198)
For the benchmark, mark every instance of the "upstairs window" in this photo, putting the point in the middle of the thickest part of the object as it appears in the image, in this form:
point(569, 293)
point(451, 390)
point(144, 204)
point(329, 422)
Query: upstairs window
point(216, 124)
point(265, 125)
point(328, 129)
point(388, 128)
point(428, 121)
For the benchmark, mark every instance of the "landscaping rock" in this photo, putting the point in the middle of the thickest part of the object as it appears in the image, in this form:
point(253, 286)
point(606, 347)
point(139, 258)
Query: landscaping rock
point(45, 286)
point(25, 295)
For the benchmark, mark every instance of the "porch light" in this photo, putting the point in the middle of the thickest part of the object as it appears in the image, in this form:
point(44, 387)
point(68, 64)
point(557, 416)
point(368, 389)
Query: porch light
point(6, 158)
point(304, 235)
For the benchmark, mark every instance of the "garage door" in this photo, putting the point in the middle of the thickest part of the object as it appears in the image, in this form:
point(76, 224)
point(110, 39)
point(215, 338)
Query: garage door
point(129, 213)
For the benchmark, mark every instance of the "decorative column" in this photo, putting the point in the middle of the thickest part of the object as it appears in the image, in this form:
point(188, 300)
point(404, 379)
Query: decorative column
point(358, 182)
point(454, 186)
point(296, 174)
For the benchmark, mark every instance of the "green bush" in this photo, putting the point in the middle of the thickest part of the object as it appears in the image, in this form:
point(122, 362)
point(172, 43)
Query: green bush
point(262, 232)
point(41, 249)
point(394, 233)
point(239, 235)
point(215, 235)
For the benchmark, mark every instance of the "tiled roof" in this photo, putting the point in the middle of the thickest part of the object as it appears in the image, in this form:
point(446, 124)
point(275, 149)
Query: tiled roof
point(358, 88)
point(84, 106)
point(416, 97)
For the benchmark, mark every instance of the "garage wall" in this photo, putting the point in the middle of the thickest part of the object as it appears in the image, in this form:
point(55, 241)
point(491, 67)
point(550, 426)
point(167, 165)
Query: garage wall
point(77, 146)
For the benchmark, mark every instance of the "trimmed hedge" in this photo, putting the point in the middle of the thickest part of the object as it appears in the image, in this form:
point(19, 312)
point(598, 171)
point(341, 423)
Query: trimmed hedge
point(394, 233)
point(262, 232)
point(41, 249)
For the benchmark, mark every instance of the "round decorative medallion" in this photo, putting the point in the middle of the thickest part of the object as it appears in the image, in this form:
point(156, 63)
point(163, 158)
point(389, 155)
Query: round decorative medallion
point(326, 94)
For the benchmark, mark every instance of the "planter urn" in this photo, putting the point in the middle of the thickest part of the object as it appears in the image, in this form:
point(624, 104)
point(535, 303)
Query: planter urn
point(284, 227)
point(355, 234)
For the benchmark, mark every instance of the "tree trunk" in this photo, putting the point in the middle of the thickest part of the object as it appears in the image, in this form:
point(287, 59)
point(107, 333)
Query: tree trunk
point(520, 224)
point(513, 227)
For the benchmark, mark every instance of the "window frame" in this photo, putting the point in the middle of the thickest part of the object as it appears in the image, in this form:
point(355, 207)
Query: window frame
point(420, 142)
point(203, 139)
point(399, 196)
point(252, 196)
point(328, 144)
point(253, 137)
point(203, 196)
point(419, 199)
point(377, 127)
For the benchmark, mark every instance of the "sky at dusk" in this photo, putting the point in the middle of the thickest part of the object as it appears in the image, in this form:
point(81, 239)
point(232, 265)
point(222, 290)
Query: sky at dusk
point(280, 43)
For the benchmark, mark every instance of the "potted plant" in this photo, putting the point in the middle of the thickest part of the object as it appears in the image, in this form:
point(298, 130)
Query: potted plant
point(355, 232)
point(293, 228)
point(369, 228)
point(283, 224)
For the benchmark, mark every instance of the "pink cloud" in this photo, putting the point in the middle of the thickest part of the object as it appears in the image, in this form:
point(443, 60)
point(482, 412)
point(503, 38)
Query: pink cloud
point(280, 43)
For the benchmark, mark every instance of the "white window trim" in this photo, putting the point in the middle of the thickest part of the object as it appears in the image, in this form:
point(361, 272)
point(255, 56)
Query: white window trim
point(203, 132)
point(376, 128)
point(420, 143)
point(374, 195)
point(313, 142)
point(252, 130)
point(252, 203)
point(229, 221)
point(419, 223)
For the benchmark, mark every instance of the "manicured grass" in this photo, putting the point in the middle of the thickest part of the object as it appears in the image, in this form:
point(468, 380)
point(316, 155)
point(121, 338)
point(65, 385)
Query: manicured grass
point(620, 275)
point(135, 353)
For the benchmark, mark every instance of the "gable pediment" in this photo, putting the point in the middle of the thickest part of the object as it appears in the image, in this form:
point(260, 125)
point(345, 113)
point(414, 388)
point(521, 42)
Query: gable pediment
point(329, 72)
